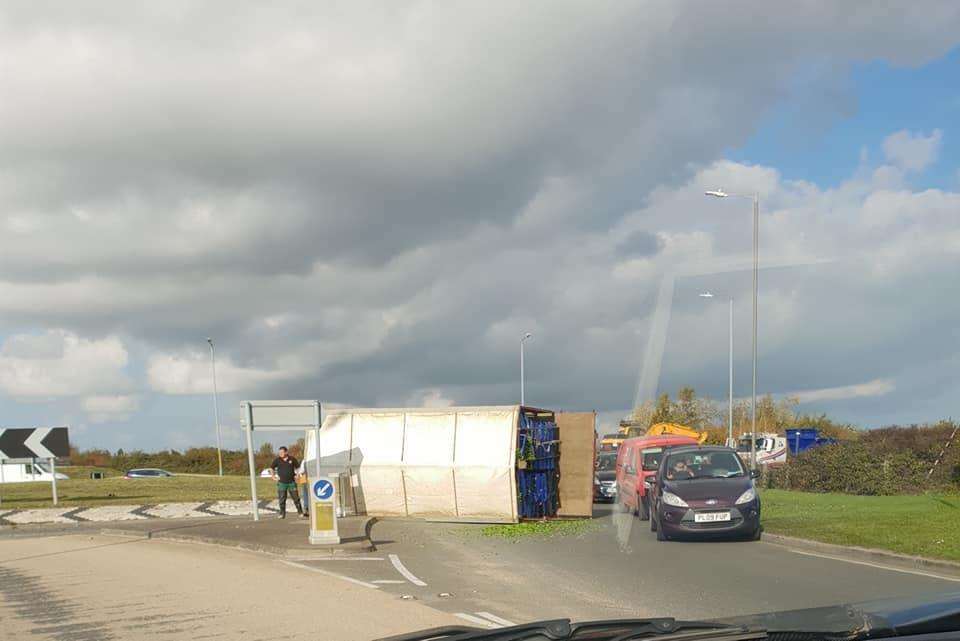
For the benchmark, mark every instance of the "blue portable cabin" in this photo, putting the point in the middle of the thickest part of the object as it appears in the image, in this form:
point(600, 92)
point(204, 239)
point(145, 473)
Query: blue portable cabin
point(802, 439)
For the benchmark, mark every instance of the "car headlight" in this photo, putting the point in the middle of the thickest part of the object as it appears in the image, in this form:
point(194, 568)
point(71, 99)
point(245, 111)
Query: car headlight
point(747, 496)
point(672, 499)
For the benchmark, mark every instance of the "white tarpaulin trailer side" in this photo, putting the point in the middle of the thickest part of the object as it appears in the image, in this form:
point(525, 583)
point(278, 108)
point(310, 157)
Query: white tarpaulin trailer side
point(450, 463)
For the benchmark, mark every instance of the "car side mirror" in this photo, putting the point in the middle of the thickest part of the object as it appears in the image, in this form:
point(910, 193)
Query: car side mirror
point(754, 474)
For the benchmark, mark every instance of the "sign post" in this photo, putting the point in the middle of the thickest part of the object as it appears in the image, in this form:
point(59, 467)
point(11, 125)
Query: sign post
point(29, 444)
point(53, 481)
point(277, 416)
point(250, 461)
point(323, 514)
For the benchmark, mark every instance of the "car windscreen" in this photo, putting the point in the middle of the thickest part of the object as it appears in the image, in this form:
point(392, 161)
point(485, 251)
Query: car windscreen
point(744, 445)
point(651, 458)
point(683, 466)
point(606, 462)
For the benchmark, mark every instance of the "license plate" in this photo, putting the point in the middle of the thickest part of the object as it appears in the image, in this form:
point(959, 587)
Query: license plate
point(711, 517)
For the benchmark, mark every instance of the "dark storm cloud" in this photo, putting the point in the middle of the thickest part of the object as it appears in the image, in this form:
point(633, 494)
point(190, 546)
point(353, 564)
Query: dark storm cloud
point(362, 203)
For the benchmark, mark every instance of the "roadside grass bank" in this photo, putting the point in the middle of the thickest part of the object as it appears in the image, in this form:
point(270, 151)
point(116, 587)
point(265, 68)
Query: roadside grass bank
point(922, 525)
point(80, 490)
point(539, 529)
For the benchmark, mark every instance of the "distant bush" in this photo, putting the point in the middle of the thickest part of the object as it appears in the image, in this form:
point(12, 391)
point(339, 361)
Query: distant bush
point(889, 460)
point(851, 468)
point(194, 460)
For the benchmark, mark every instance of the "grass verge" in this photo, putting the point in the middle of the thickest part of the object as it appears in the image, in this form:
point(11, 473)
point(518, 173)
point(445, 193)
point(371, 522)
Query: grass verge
point(539, 529)
point(922, 525)
point(81, 490)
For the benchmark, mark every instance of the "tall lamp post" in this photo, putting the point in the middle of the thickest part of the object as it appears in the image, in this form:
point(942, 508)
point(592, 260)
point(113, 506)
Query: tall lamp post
point(730, 441)
point(216, 405)
point(522, 340)
point(755, 197)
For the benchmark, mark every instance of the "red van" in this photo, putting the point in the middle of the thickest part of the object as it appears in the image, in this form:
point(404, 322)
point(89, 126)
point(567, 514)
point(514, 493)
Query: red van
point(637, 460)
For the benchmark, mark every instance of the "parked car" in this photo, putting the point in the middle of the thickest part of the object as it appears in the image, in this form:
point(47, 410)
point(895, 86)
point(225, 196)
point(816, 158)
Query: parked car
point(605, 478)
point(703, 490)
point(147, 473)
point(638, 460)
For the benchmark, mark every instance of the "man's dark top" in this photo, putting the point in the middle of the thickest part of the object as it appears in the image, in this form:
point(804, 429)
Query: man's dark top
point(285, 469)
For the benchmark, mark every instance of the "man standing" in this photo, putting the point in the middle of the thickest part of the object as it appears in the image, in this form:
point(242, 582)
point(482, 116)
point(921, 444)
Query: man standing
point(284, 470)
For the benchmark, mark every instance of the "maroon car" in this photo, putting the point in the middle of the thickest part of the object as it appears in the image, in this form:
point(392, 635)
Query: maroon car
point(704, 490)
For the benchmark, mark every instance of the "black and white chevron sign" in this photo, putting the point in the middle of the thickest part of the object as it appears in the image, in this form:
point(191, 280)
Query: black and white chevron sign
point(37, 442)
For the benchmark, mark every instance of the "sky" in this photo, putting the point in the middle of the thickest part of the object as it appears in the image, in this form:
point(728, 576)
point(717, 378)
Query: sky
point(369, 204)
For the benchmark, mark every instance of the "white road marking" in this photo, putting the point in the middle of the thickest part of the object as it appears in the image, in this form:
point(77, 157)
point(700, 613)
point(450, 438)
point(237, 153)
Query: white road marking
point(333, 574)
point(43, 515)
point(880, 566)
point(475, 620)
point(496, 619)
point(407, 574)
point(340, 558)
point(390, 581)
point(175, 510)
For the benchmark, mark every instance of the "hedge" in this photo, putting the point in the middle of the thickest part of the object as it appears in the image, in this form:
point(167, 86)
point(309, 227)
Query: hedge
point(850, 468)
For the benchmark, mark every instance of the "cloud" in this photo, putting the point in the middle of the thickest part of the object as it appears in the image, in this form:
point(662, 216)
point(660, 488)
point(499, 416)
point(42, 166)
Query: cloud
point(877, 387)
point(912, 151)
point(368, 206)
point(192, 374)
point(102, 409)
point(428, 398)
point(59, 363)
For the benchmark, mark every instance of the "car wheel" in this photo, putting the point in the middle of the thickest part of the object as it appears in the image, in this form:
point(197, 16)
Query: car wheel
point(653, 522)
point(661, 535)
point(644, 511)
point(756, 534)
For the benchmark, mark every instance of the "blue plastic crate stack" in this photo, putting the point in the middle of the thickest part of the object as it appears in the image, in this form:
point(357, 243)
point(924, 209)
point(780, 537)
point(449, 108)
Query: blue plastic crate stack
point(537, 484)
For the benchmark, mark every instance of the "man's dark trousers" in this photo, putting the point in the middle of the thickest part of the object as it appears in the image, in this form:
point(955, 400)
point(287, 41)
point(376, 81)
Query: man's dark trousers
point(282, 489)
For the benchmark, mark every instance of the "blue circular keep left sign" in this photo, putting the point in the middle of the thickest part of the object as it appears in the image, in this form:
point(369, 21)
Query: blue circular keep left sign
point(322, 489)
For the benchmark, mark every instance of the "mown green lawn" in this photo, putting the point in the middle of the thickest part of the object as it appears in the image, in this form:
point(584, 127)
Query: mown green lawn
point(80, 489)
point(924, 525)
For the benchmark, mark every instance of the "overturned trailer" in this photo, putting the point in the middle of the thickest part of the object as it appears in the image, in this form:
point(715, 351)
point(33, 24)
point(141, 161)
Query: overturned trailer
point(493, 464)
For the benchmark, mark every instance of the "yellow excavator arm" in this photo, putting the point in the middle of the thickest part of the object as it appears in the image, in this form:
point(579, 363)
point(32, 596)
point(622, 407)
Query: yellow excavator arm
point(658, 429)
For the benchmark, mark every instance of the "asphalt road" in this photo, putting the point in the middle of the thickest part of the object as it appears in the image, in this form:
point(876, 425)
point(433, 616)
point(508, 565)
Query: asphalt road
point(86, 586)
point(600, 575)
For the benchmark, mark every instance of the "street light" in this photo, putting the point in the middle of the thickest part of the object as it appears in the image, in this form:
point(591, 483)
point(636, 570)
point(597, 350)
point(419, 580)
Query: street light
point(216, 407)
point(522, 339)
point(719, 193)
point(730, 441)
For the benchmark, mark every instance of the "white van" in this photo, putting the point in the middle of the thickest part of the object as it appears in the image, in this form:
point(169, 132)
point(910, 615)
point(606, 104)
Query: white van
point(27, 472)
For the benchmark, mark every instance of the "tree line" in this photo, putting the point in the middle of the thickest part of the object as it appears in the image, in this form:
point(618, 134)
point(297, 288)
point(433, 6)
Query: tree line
point(886, 460)
point(710, 416)
point(193, 460)
point(891, 460)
